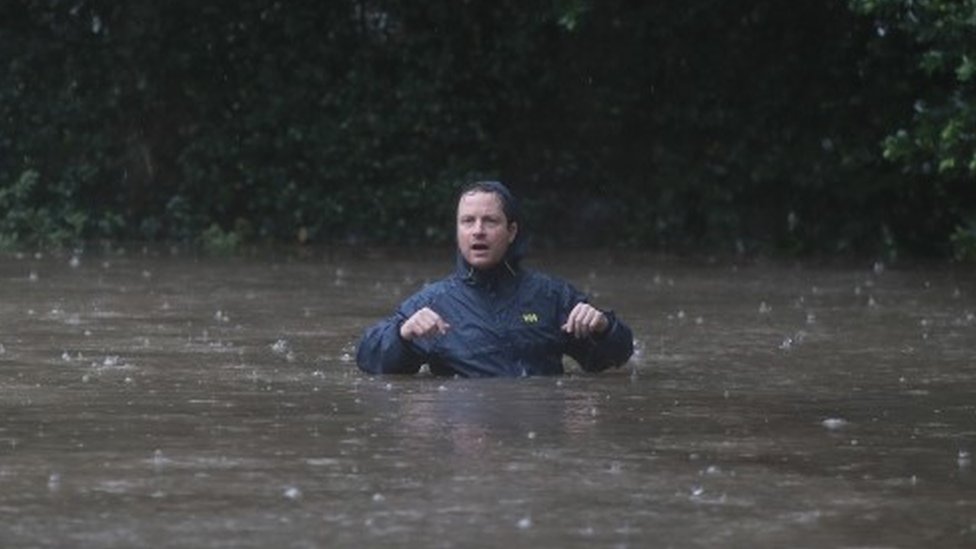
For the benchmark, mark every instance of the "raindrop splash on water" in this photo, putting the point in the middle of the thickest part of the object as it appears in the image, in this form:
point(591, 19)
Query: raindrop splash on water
point(280, 347)
point(54, 482)
point(834, 423)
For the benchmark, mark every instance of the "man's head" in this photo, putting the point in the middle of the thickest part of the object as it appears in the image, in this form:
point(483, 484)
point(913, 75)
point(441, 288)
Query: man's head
point(487, 224)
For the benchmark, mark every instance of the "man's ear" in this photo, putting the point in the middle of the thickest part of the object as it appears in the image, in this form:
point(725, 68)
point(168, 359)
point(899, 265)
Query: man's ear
point(513, 231)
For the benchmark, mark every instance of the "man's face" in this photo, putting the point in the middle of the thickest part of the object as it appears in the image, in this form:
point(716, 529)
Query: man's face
point(483, 231)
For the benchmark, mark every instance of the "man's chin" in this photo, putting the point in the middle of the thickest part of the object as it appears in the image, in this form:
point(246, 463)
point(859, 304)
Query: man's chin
point(481, 262)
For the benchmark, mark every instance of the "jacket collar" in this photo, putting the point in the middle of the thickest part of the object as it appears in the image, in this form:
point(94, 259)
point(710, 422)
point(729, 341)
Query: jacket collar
point(491, 278)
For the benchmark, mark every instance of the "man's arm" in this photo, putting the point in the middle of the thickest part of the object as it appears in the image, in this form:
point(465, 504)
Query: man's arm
point(602, 350)
point(597, 339)
point(383, 351)
point(386, 347)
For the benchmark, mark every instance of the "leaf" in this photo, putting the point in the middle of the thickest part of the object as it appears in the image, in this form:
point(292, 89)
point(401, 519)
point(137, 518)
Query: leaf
point(966, 69)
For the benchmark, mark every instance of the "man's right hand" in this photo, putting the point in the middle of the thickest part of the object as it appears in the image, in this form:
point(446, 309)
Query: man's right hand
point(423, 323)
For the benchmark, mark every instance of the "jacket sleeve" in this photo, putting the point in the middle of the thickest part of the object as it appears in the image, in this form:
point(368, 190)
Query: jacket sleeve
point(610, 349)
point(383, 351)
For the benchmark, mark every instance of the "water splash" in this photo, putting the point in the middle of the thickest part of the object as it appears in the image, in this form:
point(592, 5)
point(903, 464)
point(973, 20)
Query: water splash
point(280, 347)
point(54, 482)
point(158, 459)
point(834, 423)
point(283, 348)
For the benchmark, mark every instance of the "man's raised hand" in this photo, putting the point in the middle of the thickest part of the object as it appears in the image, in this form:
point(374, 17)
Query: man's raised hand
point(585, 320)
point(423, 323)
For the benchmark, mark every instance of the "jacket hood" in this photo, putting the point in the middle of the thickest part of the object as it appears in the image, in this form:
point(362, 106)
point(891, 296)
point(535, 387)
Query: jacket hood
point(516, 250)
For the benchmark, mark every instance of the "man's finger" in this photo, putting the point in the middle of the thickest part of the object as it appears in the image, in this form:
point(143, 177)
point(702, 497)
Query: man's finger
point(572, 324)
point(441, 325)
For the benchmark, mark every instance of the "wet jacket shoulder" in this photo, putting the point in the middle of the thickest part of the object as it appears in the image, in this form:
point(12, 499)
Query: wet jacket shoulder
point(504, 325)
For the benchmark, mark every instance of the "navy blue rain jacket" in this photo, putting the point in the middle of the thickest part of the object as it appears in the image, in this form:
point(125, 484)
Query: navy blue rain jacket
point(503, 323)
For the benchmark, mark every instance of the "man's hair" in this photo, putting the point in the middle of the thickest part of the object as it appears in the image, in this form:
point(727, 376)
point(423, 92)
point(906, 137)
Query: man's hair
point(510, 204)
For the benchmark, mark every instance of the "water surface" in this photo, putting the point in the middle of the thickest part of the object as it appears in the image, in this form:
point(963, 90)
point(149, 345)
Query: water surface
point(150, 399)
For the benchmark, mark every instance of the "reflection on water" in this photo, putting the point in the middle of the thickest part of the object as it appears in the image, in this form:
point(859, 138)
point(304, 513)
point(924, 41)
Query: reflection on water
point(157, 400)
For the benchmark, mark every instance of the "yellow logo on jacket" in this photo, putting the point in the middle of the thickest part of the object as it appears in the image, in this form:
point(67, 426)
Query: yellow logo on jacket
point(530, 318)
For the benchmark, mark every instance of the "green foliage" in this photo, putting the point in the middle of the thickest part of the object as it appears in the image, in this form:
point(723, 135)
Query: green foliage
point(942, 136)
point(217, 241)
point(733, 125)
point(937, 145)
point(38, 223)
point(964, 243)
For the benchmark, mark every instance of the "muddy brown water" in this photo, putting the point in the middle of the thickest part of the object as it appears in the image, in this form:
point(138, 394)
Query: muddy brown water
point(160, 400)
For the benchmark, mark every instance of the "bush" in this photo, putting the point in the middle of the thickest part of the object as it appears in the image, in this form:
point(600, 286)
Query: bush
point(731, 125)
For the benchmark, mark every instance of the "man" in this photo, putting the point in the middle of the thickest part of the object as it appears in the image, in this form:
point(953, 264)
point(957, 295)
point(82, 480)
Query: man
point(492, 317)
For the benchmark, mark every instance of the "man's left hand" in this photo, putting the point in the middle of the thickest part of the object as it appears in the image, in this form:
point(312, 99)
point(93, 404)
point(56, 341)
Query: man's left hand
point(585, 320)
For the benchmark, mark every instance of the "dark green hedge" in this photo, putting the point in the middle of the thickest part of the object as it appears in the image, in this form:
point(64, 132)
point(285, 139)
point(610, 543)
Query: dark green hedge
point(727, 124)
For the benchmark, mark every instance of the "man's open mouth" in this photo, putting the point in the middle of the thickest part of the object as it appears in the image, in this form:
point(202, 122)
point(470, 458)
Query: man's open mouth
point(479, 247)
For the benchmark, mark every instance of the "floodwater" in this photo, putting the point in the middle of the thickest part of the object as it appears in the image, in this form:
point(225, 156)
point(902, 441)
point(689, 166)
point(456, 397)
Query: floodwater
point(158, 400)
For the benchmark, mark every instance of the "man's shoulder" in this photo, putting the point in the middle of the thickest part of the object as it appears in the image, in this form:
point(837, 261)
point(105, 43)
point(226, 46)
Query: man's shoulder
point(541, 280)
point(438, 286)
